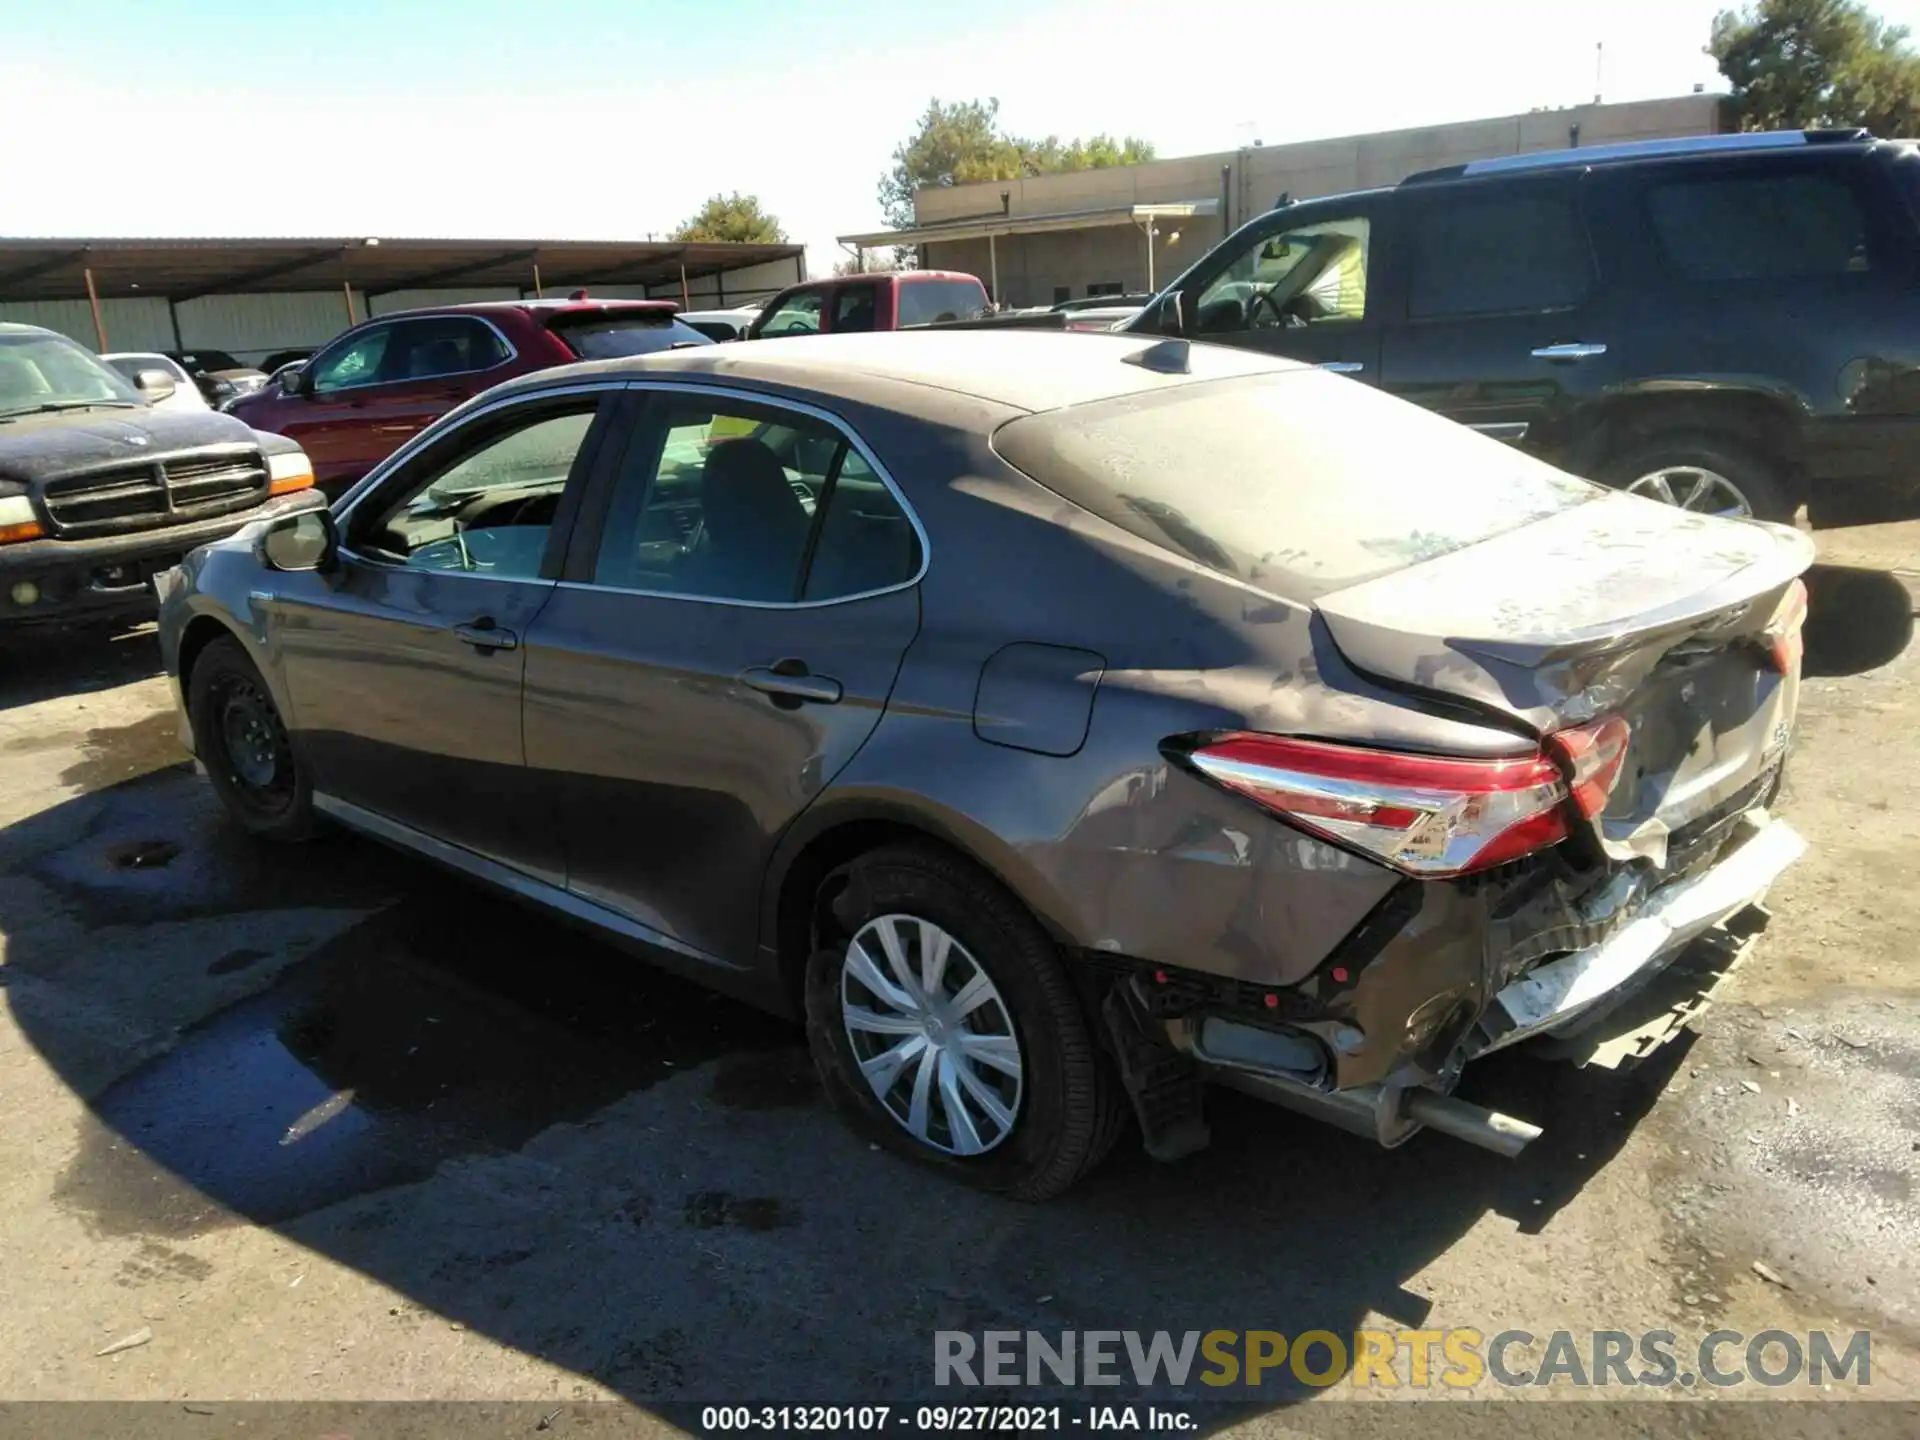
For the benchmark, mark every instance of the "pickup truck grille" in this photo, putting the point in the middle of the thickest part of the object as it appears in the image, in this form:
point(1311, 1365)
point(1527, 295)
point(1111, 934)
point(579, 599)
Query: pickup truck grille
point(116, 499)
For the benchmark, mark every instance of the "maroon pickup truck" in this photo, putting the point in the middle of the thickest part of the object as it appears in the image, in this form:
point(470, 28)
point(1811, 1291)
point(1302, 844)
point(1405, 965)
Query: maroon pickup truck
point(894, 300)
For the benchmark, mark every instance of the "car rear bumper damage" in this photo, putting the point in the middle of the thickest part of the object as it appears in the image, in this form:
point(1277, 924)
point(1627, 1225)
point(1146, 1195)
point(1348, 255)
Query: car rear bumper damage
point(1380, 1055)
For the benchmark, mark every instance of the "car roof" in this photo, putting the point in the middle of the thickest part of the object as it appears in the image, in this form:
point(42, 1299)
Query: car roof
point(918, 371)
point(1670, 148)
point(908, 277)
point(531, 307)
point(15, 327)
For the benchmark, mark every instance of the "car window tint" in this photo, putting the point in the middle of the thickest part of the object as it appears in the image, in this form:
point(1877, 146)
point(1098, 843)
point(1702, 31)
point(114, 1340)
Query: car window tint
point(854, 307)
point(866, 541)
point(718, 504)
point(441, 345)
point(929, 302)
point(1759, 227)
point(798, 315)
point(1296, 482)
point(1306, 276)
point(1495, 254)
point(356, 362)
point(608, 337)
point(488, 510)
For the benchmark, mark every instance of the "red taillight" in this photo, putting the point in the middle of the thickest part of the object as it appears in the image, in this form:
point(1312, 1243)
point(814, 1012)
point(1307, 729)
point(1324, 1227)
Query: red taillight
point(1784, 634)
point(1428, 815)
point(1594, 754)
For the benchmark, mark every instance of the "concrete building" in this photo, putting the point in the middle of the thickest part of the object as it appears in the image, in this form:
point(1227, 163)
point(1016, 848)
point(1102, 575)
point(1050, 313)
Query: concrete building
point(252, 298)
point(1039, 240)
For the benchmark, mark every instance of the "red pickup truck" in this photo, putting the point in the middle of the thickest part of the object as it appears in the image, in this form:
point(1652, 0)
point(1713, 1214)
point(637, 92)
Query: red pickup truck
point(890, 301)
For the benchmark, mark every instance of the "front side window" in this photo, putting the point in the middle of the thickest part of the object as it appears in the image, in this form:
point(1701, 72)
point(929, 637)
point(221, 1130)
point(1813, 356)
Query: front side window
point(488, 509)
point(356, 362)
point(855, 306)
point(1759, 227)
point(751, 503)
point(1493, 254)
point(1313, 275)
point(799, 314)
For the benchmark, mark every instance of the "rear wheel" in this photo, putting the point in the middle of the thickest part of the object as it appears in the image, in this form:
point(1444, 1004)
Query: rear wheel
point(1704, 473)
point(244, 744)
point(945, 1027)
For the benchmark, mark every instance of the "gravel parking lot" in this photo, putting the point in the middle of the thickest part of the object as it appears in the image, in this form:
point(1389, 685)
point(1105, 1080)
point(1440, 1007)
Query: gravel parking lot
point(326, 1124)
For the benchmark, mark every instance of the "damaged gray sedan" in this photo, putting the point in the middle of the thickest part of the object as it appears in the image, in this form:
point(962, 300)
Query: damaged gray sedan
point(1054, 724)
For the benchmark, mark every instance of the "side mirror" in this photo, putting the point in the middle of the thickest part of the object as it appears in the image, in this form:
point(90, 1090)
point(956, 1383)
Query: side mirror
point(296, 382)
point(1173, 318)
point(154, 385)
point(306, 541)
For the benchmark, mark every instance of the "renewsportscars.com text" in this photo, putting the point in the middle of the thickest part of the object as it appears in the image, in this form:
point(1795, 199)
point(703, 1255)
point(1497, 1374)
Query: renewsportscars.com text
point(1460, 1359)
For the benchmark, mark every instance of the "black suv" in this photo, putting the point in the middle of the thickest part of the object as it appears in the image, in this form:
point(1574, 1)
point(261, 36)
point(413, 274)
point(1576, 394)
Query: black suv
point(99, 490)
point(1730, 323)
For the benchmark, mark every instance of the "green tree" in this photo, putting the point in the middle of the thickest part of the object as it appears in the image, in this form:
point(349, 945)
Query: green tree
point(1798, 63)
point(734, 217)
point(960, 142)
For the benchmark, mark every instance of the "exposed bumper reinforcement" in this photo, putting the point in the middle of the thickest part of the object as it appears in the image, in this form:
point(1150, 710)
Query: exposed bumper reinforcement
point(1561, 992)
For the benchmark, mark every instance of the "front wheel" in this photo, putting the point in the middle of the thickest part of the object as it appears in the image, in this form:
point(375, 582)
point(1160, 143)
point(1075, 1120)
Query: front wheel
point(244, 744)
point(944, 1025)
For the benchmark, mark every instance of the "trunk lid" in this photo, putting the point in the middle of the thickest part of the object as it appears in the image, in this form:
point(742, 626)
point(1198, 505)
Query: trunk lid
point(1619, 606)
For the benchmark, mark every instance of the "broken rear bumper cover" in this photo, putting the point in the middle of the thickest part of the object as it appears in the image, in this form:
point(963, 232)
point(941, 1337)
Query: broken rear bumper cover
point(1388, 1074)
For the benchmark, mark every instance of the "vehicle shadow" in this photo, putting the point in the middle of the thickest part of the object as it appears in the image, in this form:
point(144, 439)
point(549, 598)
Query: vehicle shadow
point(1858, 619)
point(44, 663)
point(531, 1136)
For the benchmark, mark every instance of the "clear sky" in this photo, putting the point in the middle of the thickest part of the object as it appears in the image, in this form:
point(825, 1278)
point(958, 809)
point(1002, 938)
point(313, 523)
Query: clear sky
point(580, 119)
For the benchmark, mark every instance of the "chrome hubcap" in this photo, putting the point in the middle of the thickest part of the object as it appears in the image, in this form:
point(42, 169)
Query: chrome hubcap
point(1693, 487)
point(931, 1035)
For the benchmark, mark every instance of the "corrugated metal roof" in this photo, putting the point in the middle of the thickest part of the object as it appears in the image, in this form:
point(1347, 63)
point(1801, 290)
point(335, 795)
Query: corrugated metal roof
point(184, 268)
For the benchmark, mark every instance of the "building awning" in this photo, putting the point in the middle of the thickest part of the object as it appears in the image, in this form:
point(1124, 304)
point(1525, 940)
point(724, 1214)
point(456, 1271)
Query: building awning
point(184, 269)
point(982, 227)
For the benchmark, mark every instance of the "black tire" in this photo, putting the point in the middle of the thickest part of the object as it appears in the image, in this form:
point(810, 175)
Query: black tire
point(1072, 1107)
point(266, 788)
point(1760, 482)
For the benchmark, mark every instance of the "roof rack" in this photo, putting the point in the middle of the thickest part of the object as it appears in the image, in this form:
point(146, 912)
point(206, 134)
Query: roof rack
point(1638, 150)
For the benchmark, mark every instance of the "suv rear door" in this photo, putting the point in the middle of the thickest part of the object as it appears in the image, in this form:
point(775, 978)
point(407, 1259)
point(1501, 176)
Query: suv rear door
point(1499, 312)
point(1785, 274)
point(1297, 283)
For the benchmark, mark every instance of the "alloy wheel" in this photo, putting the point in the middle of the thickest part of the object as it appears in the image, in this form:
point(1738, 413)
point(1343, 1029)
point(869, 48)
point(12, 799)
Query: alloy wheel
point(932, 1035)
point(1693, 487)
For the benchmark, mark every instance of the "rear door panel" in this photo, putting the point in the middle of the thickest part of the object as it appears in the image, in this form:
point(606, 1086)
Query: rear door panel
point(1501, 316)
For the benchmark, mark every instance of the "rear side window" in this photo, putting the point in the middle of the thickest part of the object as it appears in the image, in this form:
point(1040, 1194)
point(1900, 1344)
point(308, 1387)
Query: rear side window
point(855, 307)
point(1759, 227)
point(441, 345)
point(929, 302)
point(1298, 482)
point(1493, 254)
point(608, 337)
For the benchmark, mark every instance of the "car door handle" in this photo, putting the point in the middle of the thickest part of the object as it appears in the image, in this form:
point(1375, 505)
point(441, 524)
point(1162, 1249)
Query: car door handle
point(1575, 350)
point(789, 683)
point(486, 634)
point(1343, 367)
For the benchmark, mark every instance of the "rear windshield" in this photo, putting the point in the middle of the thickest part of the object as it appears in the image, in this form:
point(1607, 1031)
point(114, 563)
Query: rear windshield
point(608, 337)
point(928, 302)
point(1296, 482)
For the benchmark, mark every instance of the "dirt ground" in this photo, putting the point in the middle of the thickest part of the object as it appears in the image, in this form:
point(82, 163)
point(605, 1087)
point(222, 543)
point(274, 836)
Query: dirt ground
point(324, 1124)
